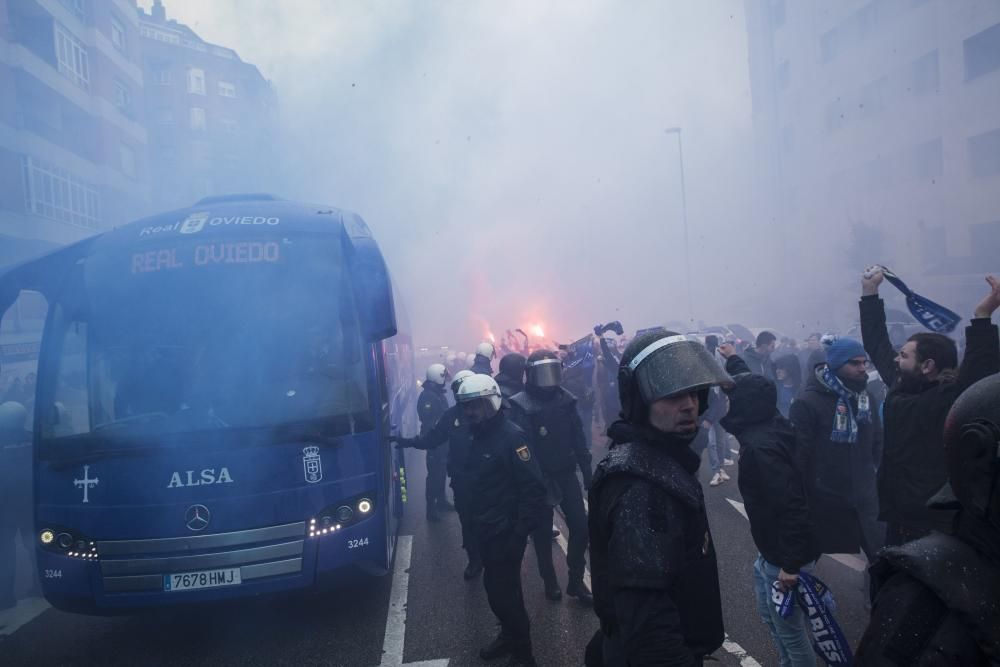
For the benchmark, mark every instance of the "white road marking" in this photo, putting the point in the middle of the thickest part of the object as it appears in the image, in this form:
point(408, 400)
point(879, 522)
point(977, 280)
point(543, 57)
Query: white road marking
point(739, 507)
point(395, 620)
point(746, 660)
point(850, 560)
point(11, 620)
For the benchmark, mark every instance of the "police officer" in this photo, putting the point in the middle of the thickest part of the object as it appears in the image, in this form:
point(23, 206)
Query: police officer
point(453, 429)
point(938, 599)
point(511, 375)
point(430, 406)
point(653, 567)
point(548, 414)
point(482, 360)
point(509, 498)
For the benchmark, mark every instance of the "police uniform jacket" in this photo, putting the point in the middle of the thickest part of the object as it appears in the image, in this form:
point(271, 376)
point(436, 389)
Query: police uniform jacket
point(431, 404)
point(554, 430)
point(510, 494)
point(653, 565)
point(450, 429)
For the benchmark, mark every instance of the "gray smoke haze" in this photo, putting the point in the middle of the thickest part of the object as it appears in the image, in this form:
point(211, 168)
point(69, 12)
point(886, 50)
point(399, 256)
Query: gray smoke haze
point(512, 158)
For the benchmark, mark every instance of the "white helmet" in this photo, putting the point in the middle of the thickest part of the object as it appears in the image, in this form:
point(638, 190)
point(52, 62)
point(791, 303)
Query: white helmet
point(437, 374)
point(450, 358)
point(13, 416)
point(470, 361)
point(486, 349)
point(457, 380)
point(479, 386)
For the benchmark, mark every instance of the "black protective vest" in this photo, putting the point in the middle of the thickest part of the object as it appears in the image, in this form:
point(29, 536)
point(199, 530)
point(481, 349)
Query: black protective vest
point(695, 587)
point(551, 429)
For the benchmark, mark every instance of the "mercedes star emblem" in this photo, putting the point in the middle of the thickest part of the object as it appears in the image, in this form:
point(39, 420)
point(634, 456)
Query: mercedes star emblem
point(197, 517)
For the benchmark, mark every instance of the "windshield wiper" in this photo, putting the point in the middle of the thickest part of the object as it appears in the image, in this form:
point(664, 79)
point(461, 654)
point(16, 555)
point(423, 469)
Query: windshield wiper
point(142, 418)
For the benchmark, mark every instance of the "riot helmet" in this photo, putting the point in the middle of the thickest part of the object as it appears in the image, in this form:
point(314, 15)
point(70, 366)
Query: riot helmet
point(972, 448)
point(512, 366)
point(437, 374)
point(479, 396)
point(544, 369)
point(457, 381)
point(486, 349)
point(470, 360)
point(660, 364)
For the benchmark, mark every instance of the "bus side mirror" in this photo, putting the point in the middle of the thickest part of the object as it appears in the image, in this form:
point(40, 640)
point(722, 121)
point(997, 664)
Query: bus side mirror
point(373, 291)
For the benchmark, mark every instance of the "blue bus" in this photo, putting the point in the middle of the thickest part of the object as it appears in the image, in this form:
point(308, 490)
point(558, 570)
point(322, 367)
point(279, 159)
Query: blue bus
point(216, 388)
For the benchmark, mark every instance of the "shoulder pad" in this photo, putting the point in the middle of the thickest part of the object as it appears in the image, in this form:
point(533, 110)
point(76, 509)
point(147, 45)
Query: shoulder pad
point(637, 459)
point(525, 402)
point(960, 577)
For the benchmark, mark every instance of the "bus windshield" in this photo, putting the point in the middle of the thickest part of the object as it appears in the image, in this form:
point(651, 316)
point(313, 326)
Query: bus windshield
point(198, 335)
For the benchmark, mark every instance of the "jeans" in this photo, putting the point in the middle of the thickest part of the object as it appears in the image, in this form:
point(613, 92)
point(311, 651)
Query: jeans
point(790, 636)
point(718, 447)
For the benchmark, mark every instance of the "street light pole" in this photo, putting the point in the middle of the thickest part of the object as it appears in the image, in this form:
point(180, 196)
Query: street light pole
point(684, 213)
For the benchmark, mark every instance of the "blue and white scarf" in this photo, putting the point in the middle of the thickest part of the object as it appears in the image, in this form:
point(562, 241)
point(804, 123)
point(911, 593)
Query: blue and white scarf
point(816, 601)
point(845, 420)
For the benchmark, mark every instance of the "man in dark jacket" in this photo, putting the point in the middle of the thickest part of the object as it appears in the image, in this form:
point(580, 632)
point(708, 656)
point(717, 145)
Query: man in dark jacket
point(511, 375)
point(938, 598)
point(772, 483)
point(547, 413)
point(923, 385)
point(840, 436)
point(509, 498)
point(758, 358)
point(653, 567)
point(431, 404)
point(452, 430)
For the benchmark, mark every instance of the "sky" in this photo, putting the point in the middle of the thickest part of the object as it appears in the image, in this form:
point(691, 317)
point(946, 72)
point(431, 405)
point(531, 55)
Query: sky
point(513, 158)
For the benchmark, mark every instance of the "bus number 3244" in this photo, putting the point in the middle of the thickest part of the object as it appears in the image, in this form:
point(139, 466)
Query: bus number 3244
point(357, 544)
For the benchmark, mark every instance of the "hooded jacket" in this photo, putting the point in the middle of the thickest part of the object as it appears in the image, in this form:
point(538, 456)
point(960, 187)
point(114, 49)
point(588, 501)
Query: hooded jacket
point(771, 479)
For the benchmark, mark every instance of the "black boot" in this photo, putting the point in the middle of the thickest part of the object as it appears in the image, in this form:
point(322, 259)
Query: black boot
point(552, 591)
point(497, 649)
point(473, 569)
point(577, 589)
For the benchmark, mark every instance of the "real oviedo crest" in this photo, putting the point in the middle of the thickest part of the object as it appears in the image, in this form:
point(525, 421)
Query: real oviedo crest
point(312, 464)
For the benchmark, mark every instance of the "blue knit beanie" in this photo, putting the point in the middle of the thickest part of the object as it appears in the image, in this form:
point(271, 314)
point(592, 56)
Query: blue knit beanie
point(841, 350)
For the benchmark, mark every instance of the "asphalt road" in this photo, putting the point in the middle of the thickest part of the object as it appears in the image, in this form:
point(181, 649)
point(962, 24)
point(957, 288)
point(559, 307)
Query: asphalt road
point(422, 614)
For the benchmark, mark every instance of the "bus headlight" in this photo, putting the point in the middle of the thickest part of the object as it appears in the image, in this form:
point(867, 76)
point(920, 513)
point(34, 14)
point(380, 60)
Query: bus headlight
point(67, 542)
point(342, 515)
point(46, 536)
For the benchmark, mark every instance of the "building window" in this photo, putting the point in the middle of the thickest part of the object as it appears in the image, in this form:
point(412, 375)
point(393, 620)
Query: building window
point(72, 57)
point(196, 81)
point(982, 53)
point(227, 89)
point(984, 153)
point(123, 98)
point(926, 74)
point(162, 75)
point(78, 7)
point(118, 35)
point(127, 159)
point(198, 119)
point(56, 194)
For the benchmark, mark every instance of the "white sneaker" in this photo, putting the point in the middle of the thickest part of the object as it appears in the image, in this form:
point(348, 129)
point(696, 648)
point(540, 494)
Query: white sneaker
point(728, 462)
point(725, 477)
point(716, 480)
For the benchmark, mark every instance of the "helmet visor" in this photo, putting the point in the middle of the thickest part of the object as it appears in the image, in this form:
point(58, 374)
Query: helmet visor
point(675, 365)
point(545, 373)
